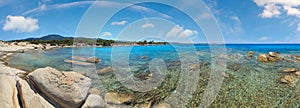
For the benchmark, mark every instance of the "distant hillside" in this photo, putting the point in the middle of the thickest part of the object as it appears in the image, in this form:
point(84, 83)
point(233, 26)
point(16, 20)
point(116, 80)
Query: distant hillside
point(54, 40)
point(48, 38)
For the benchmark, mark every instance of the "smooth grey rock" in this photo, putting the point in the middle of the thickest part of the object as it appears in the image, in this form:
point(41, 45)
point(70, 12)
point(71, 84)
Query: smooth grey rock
point(8, 92)
point(29, 98)
point(94, 101)
point(66, 89)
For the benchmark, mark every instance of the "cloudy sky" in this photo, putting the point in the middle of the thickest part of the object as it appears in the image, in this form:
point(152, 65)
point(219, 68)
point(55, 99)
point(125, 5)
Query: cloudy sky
point(241, 21)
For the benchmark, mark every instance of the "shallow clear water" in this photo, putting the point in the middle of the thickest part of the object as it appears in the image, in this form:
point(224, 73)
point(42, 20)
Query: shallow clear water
point(251, 84)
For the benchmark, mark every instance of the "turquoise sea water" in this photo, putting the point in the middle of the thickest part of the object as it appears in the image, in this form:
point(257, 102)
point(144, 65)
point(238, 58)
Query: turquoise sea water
point(249, 83)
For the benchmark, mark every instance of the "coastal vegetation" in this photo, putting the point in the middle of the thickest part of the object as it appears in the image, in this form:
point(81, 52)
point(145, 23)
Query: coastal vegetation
point(57, 40)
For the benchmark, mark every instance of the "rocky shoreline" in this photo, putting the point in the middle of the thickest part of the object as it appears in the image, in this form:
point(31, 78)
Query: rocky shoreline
point(50, 88)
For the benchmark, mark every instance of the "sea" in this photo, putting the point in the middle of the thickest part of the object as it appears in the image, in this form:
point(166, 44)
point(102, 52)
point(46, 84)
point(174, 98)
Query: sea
point(181, 74)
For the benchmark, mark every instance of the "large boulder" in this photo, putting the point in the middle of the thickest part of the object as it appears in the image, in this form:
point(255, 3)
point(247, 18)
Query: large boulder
point(262, 57)
point(66, 89)
point(94, 101)
point(8, 92)
point(29, 98)
point(5, 70)
point(270, 57)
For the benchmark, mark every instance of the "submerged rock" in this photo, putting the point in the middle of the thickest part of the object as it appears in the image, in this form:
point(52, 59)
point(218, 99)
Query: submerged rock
point(117, 98)
point(66, 89)
point(78, 62)
point(144, 57)
point(162, 105)
point(251, 53)
point(289, 79)
point(93, 60)
point(118, 106)
point(144, 105)
point(105, 70)
point(195, 66)
point(29, 98)
point(79, 58)
point(94, 101)
point(289, 70)
point(234, 67)
point(8, 92)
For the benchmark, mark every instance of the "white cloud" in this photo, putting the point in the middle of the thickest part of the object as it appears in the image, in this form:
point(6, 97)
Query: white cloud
point(236, 19)
point(20, 24)
point(292, 11)
point(233, 28)
point(204, 16)
point(187, 33)
point(174, 31)
point(107, 34)
point(276, 8)
point(119, 23)
point(263, 38)
point(43, 7)
point(271, 10)
point(148, 25)
point(178, 31)
point(149, 10)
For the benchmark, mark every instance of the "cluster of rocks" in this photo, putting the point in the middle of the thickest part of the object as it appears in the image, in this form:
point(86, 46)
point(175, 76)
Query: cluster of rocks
point(290, 77)
point(83, 61)
point(23, 46)
point(50, 88)
point(270, 57)
point(4, 56)
point(266, 58)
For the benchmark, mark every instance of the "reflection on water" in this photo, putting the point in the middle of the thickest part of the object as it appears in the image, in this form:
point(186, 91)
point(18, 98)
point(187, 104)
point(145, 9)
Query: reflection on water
point(246, 83)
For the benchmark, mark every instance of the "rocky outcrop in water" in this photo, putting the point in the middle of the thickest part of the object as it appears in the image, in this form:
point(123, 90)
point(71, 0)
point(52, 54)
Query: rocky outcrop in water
point(78, 62)
point(251, 53)
point(270, 57)
point(93, 60)
point(66, 89)
point(291, 76)
point(83, 61)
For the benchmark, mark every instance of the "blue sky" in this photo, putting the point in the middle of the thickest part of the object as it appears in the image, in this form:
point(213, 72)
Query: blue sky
point(241, 21)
